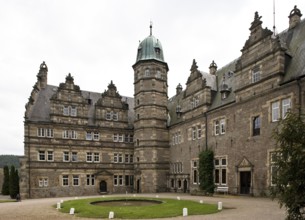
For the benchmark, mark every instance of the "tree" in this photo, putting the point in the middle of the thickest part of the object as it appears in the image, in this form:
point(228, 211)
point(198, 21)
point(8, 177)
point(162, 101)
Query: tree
point(206, 171)
point(290, 178)
point(5, 186)
point(13, 182)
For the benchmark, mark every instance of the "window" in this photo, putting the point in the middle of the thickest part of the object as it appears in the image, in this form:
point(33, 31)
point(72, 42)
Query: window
point(219, 126)
point(73, 134)
point(216, 127)
point(256, 126)
point(89, 157)
point(88, 135)
point(70, 111)
point(90, 180)
point(96, 136)
point(43, 182)
point(121, 138)
point(115, 180)
point(128, 138)
point(195, 173)
point(128, 180)
point(74, 157)
point(115, 116)
point(280, 108)
point(256, 75)
point(147, 73)
point(65, 180)
point(45, 132)
point(96, 157)
point(275, 111)
point(108, 115)
point(220, 171)
point(50, 155)
point(120, 158)
point(69, 134)
point(73, 111)
point(194, 102)
point(115, 158)
point(41, 156)
point(115, 137)
point(194, 133)
point(273, 167)
point(286, 105)
point(66, 156)
point(121, 180)
point(222, 126)
point(75, 180)
point(41, 132)
point(199, 132)
point(158, 75)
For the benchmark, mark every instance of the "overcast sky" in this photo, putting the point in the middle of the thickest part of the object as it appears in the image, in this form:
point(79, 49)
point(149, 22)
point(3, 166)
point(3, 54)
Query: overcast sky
point(97, 40)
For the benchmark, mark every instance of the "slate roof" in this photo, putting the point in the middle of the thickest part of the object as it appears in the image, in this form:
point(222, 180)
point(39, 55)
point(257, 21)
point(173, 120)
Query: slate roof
point(41, 108)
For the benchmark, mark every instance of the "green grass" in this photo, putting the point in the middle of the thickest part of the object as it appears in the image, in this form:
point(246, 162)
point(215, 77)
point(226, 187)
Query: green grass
point(2, 201)
point(168, 208)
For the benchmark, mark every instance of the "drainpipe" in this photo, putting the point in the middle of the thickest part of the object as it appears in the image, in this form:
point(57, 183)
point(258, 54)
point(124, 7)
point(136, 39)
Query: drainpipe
point(300, 94)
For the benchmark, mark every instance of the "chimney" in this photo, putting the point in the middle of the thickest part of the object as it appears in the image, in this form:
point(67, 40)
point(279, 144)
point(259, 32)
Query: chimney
point(42, 76)
point(294, 17)
point(213, 68)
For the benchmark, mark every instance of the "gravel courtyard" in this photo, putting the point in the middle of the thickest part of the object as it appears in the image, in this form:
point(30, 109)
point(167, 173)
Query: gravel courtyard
point(235, 207)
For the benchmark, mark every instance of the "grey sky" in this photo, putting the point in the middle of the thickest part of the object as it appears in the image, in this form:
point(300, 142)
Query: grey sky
point(96, 41)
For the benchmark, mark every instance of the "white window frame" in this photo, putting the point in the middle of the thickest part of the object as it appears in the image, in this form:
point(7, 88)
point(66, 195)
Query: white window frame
point(75, 180)
point(66, 156)
point(73, 111)
point(89, 135)
point(74, 156)
point(90, 180)
point(41, 132)
point(256, 75)
point(50, 155)
point(199, 133)
point(216, 127)
point(41, 155)
point(65, 180)
point(96, 157)
point(89, 157)
point(96, 135)
point(286, 106)
point(115, 116)
point(194, 133)
point(115, 157)
point(121, 138)
point(66, 110)
point(275, 111)
point(221, 164)
point(115, 137)
point(222, 126)
point(108, 116)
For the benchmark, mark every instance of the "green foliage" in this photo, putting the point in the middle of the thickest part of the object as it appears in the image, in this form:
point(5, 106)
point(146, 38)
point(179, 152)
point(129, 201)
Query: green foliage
point(206, 171)
point(290, 179)
point(13, 182)
point(5, 187)
point(9, 160)
point(167, 208)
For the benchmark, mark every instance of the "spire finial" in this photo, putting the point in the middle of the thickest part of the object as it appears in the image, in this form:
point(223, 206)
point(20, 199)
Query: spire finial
point(150, 26)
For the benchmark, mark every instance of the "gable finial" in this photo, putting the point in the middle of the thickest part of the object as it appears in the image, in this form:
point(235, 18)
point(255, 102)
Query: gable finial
point(150, 26)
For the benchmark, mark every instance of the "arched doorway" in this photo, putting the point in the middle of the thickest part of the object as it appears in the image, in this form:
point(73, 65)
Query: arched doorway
point(103, 186)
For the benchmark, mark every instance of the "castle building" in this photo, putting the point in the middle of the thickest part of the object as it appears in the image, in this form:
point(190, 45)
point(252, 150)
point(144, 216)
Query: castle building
point(85, 143)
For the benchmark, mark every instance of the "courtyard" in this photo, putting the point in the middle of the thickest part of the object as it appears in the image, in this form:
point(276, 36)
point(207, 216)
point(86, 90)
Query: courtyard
point(235, 207)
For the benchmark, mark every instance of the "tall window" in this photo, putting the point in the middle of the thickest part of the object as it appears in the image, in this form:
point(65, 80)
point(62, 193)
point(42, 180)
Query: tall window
point(280, 108)
point(69, 134)
point(96, 157)
point(220, 170)
point(89, 157)
point(75, 180)
point(195, 173)
point(90, 180)
point(65, 180)
point(256, 74)
point(275, 111)
point(273, 167)
point(219, 126)
point(194, 133)
point(50, 156)
point(66, 156)
point(222, 126)
point(286, 105)
point(256, 126)
point(43, 182)
point(74, 157)
point(41, 155)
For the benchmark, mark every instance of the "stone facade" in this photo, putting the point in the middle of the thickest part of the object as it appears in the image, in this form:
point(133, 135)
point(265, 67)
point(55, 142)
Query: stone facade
point(85, 143)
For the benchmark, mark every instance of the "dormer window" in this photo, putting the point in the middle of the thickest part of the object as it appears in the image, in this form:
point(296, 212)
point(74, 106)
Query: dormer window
point(147, 73)
point(256, 74)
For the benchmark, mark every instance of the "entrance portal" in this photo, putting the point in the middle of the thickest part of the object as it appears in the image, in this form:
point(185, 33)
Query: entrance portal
point(245, 182)
point(103, 186)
